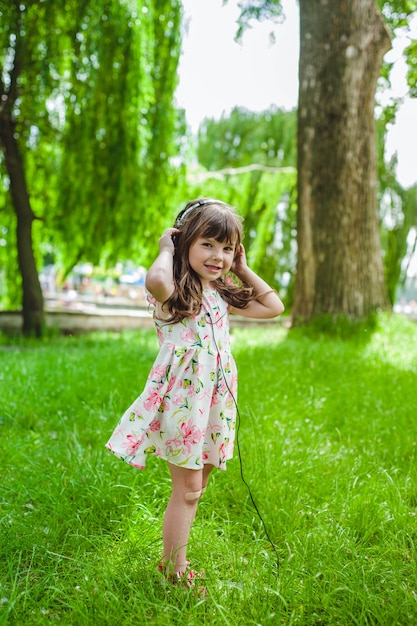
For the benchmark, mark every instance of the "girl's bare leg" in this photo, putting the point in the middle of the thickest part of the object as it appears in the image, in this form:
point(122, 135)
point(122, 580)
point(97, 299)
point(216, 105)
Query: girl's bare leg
point(187, 487)
point(206, 473)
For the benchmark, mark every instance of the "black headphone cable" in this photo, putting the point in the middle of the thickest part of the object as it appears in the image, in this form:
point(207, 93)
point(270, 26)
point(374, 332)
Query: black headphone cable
point(238, 423)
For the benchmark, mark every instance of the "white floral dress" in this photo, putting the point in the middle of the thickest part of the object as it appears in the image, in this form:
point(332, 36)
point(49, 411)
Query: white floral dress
point(187, 413)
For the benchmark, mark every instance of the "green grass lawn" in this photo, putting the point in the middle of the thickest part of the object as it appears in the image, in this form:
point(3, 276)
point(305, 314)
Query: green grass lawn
point(328, 446)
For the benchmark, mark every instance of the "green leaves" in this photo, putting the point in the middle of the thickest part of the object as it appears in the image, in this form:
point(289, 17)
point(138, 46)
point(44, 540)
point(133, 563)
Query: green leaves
point(257, 10)
point(120, 125)
point(94, 118)
point(411, 55)
point(251, 163)
point(267, 138)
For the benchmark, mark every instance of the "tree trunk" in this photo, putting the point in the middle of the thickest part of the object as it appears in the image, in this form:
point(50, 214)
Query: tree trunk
point(32, 297)
point(339, 266)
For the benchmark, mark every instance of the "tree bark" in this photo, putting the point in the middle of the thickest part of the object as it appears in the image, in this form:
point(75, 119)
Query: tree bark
point(32, 297)
point(339, 266)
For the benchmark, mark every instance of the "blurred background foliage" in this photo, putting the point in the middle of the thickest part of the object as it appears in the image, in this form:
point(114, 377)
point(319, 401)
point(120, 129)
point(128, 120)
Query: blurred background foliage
point(108, 159)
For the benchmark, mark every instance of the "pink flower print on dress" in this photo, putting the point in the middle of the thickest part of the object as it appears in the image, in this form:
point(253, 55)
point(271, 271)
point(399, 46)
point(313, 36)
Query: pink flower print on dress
point(158, 373)
point(223, 452)
point(214, 430)
point(212, 299)
point(153, 401)
point(215, 399)
point(178, 399)
point(171, 383)
point(173, 446)
point(187, 377)
point(218, 319)
point(190, 434)
point(155, 425)
point(188, 335)
point(191, 391)
point(205, 394)
point(132, 444)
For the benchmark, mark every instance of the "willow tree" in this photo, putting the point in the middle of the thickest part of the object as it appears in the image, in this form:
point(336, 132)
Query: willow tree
point(84, 131)
point(250, 159)
point(342, 44)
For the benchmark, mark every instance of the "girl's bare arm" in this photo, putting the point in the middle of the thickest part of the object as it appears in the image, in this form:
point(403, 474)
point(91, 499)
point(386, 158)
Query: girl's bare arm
point(159, 278)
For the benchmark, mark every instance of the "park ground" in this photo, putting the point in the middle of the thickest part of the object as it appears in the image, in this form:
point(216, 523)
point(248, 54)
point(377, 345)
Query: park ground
point(327, 444)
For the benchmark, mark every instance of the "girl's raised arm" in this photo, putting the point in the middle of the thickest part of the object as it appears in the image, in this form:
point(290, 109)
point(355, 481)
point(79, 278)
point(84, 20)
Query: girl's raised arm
point(267, 303)
point(160, 278)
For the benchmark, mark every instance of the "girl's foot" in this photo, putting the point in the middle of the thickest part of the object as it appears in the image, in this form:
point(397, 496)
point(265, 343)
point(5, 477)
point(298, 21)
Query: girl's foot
point(186, 580)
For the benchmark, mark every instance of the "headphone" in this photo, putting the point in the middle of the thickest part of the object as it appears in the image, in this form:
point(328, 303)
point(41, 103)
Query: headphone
point(182, 214)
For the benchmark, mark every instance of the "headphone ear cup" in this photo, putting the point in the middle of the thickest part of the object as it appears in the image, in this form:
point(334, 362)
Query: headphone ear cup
point(178, 219)
point(175, 238)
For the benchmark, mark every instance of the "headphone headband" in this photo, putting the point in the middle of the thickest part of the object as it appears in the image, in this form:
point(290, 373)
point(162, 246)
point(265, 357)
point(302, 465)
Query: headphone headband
point(196, 205)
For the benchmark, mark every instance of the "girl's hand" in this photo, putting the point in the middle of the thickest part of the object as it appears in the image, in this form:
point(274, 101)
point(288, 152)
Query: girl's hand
point(240, 264)
point(159, 278)
point(165, 241)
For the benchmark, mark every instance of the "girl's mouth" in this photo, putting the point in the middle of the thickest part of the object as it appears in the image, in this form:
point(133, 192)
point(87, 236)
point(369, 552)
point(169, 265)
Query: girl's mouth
point(213, 268)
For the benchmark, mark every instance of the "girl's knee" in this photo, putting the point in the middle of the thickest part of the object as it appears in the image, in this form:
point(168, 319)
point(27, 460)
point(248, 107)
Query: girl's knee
point(192, 496)
point(187, 483)
point(193, 485)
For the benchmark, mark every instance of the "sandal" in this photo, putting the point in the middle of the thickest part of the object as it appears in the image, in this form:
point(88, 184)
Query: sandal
point(185, 580)
point(189, 580)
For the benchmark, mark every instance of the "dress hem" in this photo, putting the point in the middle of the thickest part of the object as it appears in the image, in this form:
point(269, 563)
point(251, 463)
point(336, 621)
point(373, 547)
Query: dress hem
point(164, 458)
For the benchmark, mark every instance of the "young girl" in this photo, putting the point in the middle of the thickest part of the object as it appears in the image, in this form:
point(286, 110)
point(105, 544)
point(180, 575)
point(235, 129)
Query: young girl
point(187, 411)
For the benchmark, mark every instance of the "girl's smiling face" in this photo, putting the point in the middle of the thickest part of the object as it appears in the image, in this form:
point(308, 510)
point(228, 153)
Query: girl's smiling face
point(211, 259)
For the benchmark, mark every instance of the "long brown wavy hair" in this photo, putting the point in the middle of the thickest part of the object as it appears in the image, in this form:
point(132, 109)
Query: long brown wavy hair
point(203, 218)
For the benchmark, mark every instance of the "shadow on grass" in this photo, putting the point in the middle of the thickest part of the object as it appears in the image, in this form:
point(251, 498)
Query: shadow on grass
point(340, 327)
